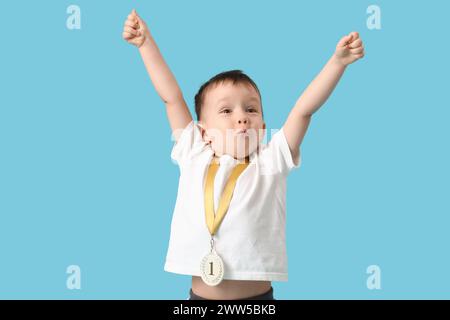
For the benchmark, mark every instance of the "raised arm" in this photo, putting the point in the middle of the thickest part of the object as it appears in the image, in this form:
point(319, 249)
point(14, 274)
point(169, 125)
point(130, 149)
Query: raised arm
point(349, 49)
point(137, 33)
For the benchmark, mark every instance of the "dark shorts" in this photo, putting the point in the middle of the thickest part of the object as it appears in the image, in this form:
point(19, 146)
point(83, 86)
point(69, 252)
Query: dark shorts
point(265, 296)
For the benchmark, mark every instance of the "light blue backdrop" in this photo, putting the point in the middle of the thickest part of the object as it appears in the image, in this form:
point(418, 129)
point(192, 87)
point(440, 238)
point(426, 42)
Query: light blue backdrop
point(85, 171)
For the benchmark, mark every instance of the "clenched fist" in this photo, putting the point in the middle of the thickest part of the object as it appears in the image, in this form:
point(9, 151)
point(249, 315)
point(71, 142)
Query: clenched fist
point(349, 49)
point(135, 31)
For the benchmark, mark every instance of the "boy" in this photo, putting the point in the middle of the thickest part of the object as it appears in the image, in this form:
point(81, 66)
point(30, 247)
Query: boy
point(228, 226)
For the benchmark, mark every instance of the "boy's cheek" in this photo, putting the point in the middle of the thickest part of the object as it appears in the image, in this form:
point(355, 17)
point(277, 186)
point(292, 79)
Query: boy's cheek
point(213, 136)
point(218, 143)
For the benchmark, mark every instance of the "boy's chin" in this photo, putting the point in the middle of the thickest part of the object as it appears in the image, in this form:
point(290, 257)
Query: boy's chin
point(237, 153)
point(244, 154)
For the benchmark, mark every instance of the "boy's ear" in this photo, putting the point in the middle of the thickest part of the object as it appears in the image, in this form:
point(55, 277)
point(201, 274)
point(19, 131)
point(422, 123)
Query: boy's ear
point(203, 132)
point(261, 136)
point(202, 127)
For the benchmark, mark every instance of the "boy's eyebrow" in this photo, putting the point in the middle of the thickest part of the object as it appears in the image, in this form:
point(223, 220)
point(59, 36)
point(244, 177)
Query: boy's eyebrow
point(253, 99)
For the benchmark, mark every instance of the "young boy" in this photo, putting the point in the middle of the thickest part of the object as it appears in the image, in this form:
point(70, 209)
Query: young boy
point(228, 226)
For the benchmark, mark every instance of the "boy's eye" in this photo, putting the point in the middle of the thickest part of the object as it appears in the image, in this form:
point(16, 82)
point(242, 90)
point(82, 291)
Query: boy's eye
point(226, 111)
point(252, 110)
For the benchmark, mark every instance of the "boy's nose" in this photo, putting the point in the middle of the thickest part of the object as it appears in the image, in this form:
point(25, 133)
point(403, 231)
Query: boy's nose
point(242, 121)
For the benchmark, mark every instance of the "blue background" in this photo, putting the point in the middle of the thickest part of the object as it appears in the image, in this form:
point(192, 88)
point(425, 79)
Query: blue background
point(85, 171)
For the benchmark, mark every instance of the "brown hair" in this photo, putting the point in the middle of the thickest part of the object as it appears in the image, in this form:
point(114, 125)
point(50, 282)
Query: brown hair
point(235, 76)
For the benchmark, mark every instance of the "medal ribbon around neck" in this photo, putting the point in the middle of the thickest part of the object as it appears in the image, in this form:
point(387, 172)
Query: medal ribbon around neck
point(213, 221)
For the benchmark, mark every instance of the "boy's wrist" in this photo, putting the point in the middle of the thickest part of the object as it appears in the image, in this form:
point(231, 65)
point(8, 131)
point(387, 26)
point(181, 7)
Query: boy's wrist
point(337, 61)
point(147, 43)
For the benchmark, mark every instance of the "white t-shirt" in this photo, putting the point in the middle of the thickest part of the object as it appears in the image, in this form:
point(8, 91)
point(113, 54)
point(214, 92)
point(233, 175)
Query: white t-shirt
point(251, 238)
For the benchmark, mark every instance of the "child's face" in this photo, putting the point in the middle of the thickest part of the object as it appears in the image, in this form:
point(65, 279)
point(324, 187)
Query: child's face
point(227, 110)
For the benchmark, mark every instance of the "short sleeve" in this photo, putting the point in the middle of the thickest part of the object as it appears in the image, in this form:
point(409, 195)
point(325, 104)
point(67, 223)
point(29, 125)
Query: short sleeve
point(189, 142)
point(277, 156)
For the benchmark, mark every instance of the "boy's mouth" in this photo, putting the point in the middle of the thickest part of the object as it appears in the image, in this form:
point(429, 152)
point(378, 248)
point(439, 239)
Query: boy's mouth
point(242, 131)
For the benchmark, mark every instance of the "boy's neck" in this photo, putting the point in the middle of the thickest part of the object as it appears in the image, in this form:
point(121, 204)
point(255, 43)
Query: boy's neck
point(244, 159)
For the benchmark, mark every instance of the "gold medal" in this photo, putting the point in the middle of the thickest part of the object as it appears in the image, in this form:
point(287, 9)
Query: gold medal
point(212, 267)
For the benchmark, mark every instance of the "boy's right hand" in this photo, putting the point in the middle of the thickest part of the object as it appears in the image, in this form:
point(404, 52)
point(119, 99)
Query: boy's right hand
point(135, 30)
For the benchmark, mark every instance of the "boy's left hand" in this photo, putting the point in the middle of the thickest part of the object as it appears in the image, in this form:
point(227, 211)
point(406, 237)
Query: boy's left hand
point(349, 49)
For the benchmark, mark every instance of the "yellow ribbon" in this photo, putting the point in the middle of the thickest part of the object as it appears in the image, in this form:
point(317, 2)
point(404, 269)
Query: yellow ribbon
point(213, 221)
